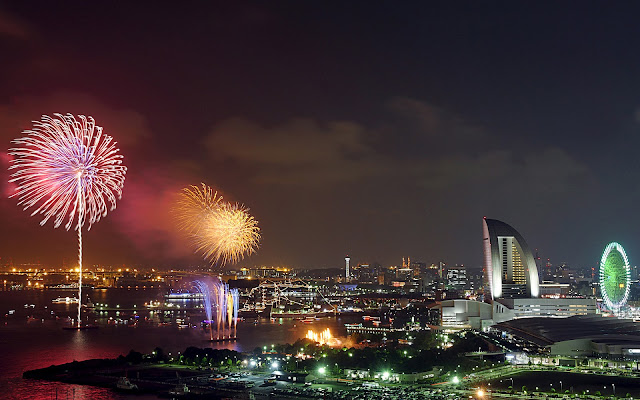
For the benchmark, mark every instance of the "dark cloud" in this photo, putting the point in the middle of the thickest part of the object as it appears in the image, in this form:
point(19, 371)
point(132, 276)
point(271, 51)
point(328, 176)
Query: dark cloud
point(454, 152)
point(127, 126)
point(547, 173)
point(433, 128)
point(13, 27)
point(382, 131)
point(298, 151)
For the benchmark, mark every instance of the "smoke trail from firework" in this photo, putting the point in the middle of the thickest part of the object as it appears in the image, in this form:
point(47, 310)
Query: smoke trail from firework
point(67, 169)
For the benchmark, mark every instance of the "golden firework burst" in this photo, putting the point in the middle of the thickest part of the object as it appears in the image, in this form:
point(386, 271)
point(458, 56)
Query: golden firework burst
point(228, 234)
point(222, 232)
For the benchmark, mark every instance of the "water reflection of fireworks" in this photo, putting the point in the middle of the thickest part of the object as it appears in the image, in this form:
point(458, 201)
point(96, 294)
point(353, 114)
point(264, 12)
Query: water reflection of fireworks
point(221, 307)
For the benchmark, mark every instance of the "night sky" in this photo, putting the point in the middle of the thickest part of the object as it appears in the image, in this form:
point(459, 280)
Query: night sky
point(375, 129)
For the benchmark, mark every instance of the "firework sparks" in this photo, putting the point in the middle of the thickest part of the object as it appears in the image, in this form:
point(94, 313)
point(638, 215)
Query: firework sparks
point(222, 232)
point(228, 234)
point(322, 338)
point(194, 205)
point(67, 169)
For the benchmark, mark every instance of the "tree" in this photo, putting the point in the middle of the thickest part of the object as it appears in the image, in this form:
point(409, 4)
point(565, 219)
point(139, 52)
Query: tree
point(134, 357)
point(158, 355)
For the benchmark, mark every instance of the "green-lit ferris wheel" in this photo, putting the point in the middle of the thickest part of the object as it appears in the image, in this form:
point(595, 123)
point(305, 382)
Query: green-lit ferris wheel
point(615, 276)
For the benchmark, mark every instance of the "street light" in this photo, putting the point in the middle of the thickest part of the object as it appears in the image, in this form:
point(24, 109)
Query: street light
point(321, 370)
point(560, 386)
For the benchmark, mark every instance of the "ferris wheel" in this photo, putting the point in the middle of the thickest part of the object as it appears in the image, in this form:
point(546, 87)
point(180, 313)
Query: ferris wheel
point(615, 277)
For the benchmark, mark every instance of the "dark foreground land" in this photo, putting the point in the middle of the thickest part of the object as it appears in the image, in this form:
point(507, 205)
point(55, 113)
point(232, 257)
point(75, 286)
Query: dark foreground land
point(150, 378)
point(160, 379)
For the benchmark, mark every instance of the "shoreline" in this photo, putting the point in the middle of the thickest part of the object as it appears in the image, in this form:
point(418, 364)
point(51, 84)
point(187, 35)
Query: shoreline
point(157, 379)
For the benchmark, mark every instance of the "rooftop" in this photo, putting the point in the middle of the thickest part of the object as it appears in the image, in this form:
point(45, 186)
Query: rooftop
point(547, 331)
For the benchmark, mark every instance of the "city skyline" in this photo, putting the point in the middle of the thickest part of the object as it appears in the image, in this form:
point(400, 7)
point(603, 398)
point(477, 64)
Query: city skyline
point(380, 133)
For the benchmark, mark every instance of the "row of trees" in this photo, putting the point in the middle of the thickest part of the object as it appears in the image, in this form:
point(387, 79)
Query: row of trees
point(422, 355)
point(425, 353)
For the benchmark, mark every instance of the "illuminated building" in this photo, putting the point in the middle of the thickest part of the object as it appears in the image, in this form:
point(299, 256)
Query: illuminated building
point(363, 273)
point(509, 266)
point(457, 277)
point(507, 309)
point(464, 314)
point(346, 269)
point(590, 340)
point(469, 314)
point(554, 290)
point(404, 274)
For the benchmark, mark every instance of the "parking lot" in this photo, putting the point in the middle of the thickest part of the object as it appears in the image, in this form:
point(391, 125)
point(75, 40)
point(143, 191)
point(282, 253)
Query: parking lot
point(264, 385)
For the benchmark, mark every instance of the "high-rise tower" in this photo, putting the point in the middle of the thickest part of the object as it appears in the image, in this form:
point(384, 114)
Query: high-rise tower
point(509, 264)
point(346, 269)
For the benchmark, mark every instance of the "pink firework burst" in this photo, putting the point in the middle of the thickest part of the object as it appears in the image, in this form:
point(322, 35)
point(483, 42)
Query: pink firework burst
point(67, 168)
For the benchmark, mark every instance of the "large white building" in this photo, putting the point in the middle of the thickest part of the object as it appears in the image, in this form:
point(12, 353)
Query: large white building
point(465, 314)
point(509, 265)
point(512, 276)
point(469, 314)
point(508, 309)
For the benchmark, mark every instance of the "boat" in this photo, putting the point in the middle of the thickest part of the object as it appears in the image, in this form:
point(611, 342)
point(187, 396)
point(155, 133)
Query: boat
point(180, 390)
point(65, 300)
point(248, 314)
point(297, 314)
point(125, 385)
point(89, 306)
point(68, 286)
point(79, 328)
point(183, 296)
